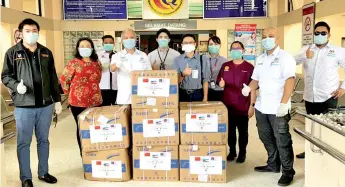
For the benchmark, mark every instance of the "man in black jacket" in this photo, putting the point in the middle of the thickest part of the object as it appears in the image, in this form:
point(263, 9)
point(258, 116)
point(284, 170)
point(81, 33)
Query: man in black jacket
point(30, 74)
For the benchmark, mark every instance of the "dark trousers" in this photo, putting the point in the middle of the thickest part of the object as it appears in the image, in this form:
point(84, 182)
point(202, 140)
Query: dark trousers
point(241, 122)
point(215, 95)
point(109, 97)
point(76, 111)
point(275, 135)
point(189, 96)
point(319, 108)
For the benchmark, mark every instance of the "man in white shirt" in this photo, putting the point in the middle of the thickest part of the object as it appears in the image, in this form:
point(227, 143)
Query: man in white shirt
point(108, 82)
point(163, 57)
point(321, 78)
point(274, 74)
point(126, 61)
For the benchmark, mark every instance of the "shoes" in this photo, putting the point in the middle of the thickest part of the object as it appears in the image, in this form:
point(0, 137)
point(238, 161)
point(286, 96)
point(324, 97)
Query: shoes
point(48, 178)
point(27, 183)
point(301, 155)
point(265, 169)
point(241, 159)
point(231, 157)
point(285, 180)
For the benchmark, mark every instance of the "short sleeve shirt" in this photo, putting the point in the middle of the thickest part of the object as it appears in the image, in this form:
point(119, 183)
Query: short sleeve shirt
point(105, 81)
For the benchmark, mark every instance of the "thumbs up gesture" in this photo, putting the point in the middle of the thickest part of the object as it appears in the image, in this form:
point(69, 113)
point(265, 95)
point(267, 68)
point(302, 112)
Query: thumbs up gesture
point(222, 83)
point(187, 71)
point(246, 90)
point(21, 88)
point(310, 53)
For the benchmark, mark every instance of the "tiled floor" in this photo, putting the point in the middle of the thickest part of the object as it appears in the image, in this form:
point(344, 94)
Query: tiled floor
point(66, 164)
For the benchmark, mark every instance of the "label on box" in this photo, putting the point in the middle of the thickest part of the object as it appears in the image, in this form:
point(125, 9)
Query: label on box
point(151, 101)
point(106, 169)
point(102, 119)
point(155, 160)
point(201, 123)
point(205, 165)
point(153, 87)
point(202, 178)
point(158, 127)
point(106, 133)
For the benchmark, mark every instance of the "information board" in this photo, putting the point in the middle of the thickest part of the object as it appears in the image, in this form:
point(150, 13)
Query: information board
point(234, 8)
point(95, 10)
point(308, 21)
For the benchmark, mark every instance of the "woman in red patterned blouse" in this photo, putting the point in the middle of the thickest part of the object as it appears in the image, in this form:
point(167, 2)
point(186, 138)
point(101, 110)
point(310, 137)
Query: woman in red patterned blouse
point(80, 80)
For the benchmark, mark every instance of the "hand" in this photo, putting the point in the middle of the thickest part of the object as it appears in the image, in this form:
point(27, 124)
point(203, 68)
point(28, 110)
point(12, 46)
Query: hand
point(222, 83)
point(187, 71)
point(340, 92)
point(105, 66)
point(251, 112)
point(204, 100)
point(58, 108)
point(282, 110)
point(310, 53)
point(21, 88)
point(246, 90)
point(113, 67)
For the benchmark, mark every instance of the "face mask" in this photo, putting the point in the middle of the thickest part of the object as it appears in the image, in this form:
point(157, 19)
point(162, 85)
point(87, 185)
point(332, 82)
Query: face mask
point(129, 43)
point(269, 43)
point(108, 47)
point(214, 49)
point(236, 54)
point(319, 40)
point(85, 52)
point(163, 42)
point(188, 48)
point(30, 38)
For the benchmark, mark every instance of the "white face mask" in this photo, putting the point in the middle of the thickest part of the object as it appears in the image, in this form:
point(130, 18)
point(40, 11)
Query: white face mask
point(30, 38)
point(188, 48)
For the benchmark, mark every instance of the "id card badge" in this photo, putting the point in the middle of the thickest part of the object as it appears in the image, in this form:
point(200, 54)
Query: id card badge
point(213, 84)
point(195, 74)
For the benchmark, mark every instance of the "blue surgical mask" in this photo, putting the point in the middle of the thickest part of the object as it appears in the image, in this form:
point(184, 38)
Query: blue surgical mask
point(269, 43)
point(320, 40)
point(108, 47)
point(129, 43)
point(213, 49)
point(30, 38)
point(236, 54)
point(163, 42)
point(85, 52)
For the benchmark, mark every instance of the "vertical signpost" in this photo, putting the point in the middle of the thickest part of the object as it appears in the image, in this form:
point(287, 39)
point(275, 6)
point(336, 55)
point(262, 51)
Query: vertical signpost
point(308, 16)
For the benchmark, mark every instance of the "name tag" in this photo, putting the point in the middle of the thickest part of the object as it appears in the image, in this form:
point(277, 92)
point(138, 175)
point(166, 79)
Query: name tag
point(195, 74)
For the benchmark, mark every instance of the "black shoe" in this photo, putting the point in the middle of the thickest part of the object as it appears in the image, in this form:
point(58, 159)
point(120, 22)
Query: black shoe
point(27, 183)
point(265, 169)
point(48, 179)
point(301, 155)
point(285, 180)
point(231, 158)
point(241, 159)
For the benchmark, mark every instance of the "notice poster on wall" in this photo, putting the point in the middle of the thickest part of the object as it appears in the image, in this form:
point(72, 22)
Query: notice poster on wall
point(246, 33)
point(308, 16)
point(95, 10)
point(234, 8)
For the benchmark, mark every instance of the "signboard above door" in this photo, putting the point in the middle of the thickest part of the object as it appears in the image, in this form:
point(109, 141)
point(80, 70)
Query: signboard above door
point(168, 24)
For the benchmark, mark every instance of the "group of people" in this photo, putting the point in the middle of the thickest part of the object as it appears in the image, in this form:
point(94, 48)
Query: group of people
point(92, 79)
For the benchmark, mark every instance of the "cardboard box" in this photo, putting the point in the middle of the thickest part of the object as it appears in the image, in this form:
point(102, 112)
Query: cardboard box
point(158, 163)
point(203, 123)
point(203, 163)
point(105, 128)
point(155, 89)
point(110, 165)
point(154, 127)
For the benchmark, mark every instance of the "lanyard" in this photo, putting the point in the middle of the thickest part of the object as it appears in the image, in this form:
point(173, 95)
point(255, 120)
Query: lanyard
point(162, 65)
point(212, 68)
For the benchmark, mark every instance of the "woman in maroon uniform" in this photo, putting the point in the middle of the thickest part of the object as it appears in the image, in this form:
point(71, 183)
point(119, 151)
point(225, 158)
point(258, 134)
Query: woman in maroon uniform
point(232, 77)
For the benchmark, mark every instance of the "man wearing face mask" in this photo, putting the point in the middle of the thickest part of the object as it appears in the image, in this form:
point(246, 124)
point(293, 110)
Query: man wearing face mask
point(29, 72)
point(274, 73)
point(321, 63)
point(194, 72)
point(163, 57)
point(108, 82)
point(126, 61)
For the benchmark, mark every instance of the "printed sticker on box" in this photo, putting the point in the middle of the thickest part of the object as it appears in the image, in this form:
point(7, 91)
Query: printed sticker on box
point(201, 123)
point(159, 127)
point(106, 133)
point(155, 160)
point(106, 169)
point(153, 87)
point(205, 165)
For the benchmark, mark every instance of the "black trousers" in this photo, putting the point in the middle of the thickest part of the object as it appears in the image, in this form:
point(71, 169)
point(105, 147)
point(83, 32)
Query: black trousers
point(241, 122)
point(196, 95)
point(109, 97)
point(215, 95)
point(275, 135)
point(76, 111)
point(319, 108)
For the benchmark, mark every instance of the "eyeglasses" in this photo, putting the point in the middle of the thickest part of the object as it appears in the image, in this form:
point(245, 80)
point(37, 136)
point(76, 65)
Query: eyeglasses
point(323, 33)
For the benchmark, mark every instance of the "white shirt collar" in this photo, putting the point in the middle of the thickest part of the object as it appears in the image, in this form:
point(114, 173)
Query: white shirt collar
point(136, 52)
point(329, 45)
point(275, 52)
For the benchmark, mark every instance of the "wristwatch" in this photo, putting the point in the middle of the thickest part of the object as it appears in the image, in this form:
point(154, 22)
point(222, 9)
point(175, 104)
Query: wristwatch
point(253, 104)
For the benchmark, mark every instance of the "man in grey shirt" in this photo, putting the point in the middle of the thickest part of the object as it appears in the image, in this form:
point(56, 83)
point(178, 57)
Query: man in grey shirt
point(194, 72)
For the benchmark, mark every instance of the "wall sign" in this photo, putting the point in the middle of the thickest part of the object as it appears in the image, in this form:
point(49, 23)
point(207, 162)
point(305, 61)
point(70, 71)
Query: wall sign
point(246, 34)
point(168, 24)
point(164, 9)
point(95, 10)
point(308, 22)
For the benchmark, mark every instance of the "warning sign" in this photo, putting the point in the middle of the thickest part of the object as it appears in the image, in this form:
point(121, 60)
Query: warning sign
point(308, 16)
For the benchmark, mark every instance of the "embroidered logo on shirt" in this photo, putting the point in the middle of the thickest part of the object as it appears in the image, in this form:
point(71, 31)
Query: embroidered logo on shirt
point(244, 71)
point(275, 62)
point(331, 53)
point(226, 68)
point(45, 55)
point(19, 57)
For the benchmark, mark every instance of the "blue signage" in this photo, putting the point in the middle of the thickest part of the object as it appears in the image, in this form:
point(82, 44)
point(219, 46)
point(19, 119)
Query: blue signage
point(234, 8)
point(92, 9)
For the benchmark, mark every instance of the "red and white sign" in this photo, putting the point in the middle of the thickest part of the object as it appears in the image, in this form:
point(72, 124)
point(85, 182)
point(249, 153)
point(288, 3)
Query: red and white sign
point(308, 16)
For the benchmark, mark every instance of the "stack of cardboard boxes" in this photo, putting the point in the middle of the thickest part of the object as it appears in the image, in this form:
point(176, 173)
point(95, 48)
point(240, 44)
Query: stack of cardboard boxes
point(204, 136)
point(155, 124)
